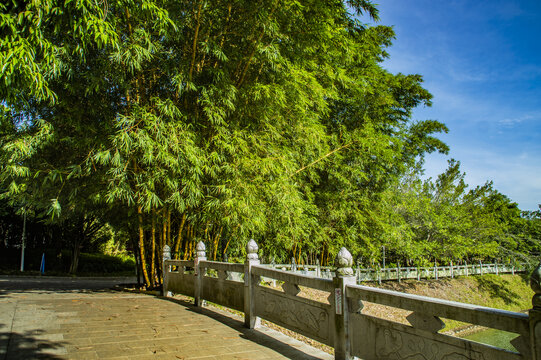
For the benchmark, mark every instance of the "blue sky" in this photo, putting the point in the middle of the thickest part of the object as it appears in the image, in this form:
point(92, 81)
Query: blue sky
point(482, 62)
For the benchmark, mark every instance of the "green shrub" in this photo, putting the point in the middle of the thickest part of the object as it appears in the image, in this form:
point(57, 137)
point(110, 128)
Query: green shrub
point(104, 264)
point(60, 262)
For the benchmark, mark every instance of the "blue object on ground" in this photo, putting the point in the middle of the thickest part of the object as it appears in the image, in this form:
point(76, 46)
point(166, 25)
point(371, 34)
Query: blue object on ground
point(42, 266)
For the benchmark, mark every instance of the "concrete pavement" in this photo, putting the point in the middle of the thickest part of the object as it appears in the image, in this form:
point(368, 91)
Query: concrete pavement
point(81, 318)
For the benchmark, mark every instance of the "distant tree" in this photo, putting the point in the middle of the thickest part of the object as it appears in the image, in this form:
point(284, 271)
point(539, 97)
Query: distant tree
point(531, 230)
point(441, 220)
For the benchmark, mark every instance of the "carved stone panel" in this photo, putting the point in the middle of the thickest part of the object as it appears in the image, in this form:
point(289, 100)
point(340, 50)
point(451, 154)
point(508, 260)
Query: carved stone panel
point(522, 344)
point(291, 289)
point(425, 322)
point(374, 338)
point(304, 316)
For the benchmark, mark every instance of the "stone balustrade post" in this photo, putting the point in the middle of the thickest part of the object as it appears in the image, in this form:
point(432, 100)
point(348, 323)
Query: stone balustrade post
point(250, 320)
point(228, 275)
point(200, 255)
point(535, 314)
point(166, 269)
point(343, 277)
point(318, 269)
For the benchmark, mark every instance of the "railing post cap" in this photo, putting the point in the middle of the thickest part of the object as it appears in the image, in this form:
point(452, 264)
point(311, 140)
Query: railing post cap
point(343, 262)
point(535, 284)
point(167, 252)
point(200, 250)
point(251, 250)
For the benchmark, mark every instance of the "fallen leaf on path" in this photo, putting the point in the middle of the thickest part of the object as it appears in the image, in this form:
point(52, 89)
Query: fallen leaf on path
point(84, 347)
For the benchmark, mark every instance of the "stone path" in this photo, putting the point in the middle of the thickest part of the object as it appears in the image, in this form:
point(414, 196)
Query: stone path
point(67, 318)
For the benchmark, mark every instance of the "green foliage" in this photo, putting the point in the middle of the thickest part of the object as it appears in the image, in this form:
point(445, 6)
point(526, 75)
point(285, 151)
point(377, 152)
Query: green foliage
point(59, 263)
point(105, 264)
point(219, 121)
point(442, 220)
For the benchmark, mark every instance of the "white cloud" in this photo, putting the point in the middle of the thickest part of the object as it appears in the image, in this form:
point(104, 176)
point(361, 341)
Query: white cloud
point(513, 121)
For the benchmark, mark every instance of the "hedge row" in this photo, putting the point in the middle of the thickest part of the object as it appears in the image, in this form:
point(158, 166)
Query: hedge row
point(10, 259)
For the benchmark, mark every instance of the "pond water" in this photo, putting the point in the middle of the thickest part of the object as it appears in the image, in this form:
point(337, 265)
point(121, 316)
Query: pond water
point(494, 337)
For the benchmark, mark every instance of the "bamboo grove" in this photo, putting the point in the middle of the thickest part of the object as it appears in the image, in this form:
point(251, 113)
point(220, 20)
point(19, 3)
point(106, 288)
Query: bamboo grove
point(180, 121)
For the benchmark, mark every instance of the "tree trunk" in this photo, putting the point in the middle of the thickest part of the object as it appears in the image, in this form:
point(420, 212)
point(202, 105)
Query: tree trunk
point(161, 244)
point(137, 261)
point(169, 241)
point(215, 244)
point(164, 238)
point(179, 237)
point(75, 252)
point(142, 246)
point(153, 249)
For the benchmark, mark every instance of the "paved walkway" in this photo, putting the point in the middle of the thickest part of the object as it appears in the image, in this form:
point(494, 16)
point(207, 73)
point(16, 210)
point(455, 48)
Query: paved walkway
point(67, 318)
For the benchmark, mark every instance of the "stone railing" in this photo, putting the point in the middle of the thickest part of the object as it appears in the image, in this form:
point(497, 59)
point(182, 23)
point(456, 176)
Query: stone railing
point(403, 273)
point(435, 272)
point(340, 321)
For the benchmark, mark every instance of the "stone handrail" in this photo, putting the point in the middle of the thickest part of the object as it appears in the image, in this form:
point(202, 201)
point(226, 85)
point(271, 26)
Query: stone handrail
point(185, 263)
point(299, 279)
point(340, 322)
point(221, 266)
point(478, 315)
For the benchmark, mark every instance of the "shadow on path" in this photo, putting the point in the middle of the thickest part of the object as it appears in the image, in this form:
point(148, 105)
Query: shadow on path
point(10, 285)
point(253, 335)
point(29, 345)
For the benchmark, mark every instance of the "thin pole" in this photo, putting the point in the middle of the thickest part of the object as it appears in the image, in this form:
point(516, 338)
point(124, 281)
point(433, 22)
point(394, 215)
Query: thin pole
point(24, 241)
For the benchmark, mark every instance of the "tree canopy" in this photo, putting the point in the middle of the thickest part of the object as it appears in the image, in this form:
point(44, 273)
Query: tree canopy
point(212, 120)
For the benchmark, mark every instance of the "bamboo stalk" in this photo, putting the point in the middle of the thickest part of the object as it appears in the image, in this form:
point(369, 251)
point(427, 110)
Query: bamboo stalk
point(254, 49)
point(153, 248)
point(164, 229)
point(169, 242)
point(142, 245)
point(216, 240)
point(230, 237)
point(179, 237)
point(196, 35)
